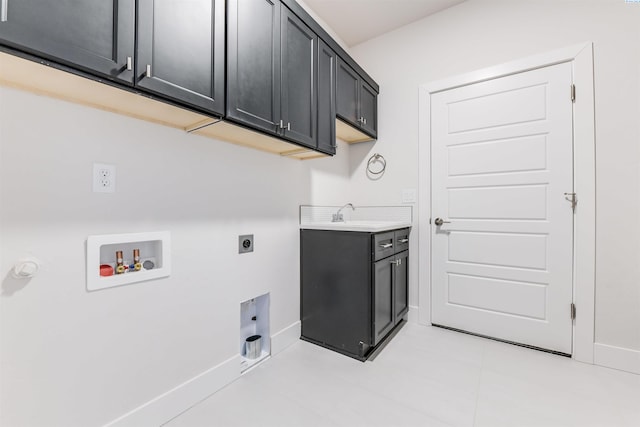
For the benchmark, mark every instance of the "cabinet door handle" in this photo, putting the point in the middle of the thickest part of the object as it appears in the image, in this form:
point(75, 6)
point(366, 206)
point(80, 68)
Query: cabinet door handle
point(403, 240)
point(148, 73)
point(4, 16)
point(364, 121)
point(281, 125)
point(129, 63)
point(396, 262)
point(289, 126)
point(386, 245)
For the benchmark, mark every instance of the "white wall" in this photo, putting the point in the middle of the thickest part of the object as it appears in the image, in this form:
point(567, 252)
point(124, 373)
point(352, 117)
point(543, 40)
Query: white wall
point(76, 358)
point(481, 33)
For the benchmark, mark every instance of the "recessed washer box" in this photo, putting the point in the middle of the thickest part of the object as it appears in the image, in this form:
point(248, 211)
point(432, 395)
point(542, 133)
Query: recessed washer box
point(154, 250)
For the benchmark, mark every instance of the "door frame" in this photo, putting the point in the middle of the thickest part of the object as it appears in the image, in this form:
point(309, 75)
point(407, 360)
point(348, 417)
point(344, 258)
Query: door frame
point(584, 174)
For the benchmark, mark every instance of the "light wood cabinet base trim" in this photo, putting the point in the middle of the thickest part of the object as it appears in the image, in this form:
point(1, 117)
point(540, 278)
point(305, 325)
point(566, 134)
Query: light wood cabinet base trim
point(349, 134)
point(41, 79)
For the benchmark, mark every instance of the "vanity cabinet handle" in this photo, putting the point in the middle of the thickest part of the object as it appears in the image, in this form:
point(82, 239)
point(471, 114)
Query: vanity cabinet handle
point(403, 240)
point(386, 245)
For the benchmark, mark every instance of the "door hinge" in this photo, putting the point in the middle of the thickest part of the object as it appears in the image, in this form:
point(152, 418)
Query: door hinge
point(573, 311)
point(573, 198)
point(573, 93)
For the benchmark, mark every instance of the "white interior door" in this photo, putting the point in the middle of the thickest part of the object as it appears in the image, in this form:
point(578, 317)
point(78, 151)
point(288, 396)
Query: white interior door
point(502, 161)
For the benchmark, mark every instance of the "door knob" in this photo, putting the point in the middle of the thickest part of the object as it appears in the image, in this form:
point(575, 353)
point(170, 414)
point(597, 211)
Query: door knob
point(440, 221)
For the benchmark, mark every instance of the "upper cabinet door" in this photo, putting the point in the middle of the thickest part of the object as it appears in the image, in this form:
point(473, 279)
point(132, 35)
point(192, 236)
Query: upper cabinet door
point(299, 105)
point(326, 99)
point(181, 51)
point(348, 90)
point(93, 35)
point(368, 109)
point(253, 63)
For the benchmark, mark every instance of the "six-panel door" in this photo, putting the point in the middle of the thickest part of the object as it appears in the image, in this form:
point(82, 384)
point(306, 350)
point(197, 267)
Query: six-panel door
point(92, 35)
point(187, 66)
point(502, 170)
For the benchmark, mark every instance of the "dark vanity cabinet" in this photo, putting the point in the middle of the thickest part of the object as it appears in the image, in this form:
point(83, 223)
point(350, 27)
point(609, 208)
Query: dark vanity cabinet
point(357, 101)
point(353, 288)
point(92, 35)
point(181, 51)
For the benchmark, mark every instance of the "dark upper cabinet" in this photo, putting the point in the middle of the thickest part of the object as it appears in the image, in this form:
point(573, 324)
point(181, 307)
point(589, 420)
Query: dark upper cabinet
point(368, 109)
point(356, 100)
point(181, 51)
point(253, 63)
point(326, 99)
point(265, 65)
point(299, 90)
point(92, 35)
point(271, 70)
point(348, 88)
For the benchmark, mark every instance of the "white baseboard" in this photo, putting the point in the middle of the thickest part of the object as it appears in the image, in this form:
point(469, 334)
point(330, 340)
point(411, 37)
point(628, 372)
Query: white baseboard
point(285, 337)
point(624, 359)
point(414, 314)
point(174, 402)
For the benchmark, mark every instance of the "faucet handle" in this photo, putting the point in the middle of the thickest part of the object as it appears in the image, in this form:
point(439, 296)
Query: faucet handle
point(337, 217)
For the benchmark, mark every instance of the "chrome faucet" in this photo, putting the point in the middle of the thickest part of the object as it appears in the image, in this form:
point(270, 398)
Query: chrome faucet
point(337, 217)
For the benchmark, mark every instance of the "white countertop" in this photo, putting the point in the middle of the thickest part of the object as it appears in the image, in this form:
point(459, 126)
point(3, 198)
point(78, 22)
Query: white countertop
point(364, 226)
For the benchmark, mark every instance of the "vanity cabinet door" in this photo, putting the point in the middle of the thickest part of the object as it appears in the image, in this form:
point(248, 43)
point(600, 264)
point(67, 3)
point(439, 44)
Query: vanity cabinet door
point(96, 36)
point(400, 285)
point(383, 295)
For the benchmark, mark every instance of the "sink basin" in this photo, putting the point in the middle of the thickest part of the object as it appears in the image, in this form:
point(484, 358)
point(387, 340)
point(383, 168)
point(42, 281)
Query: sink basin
point(365, 226)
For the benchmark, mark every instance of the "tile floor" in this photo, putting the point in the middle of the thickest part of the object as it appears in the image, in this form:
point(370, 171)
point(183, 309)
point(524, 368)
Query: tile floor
point(425, 377)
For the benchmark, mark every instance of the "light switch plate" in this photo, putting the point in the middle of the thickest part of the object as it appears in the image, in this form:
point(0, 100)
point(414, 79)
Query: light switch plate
point(409, 195)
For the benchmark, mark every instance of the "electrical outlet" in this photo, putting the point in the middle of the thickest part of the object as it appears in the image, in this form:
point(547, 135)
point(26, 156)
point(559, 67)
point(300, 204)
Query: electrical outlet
point(245, 243)
point(104, 178)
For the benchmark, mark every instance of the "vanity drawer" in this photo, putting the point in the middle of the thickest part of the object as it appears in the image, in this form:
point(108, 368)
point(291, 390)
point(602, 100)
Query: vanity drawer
point(383, 245)
point(401, 240)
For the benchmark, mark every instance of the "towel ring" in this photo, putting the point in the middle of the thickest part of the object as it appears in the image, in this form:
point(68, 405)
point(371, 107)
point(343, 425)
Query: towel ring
point(376, 159)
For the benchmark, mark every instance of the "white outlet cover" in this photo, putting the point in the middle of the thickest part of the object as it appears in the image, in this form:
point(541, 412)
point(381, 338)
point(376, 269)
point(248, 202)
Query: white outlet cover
point(104, 178)
point(409, 195)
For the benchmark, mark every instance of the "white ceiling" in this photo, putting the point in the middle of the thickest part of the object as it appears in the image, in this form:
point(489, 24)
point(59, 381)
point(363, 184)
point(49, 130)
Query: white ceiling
point(356, 21)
